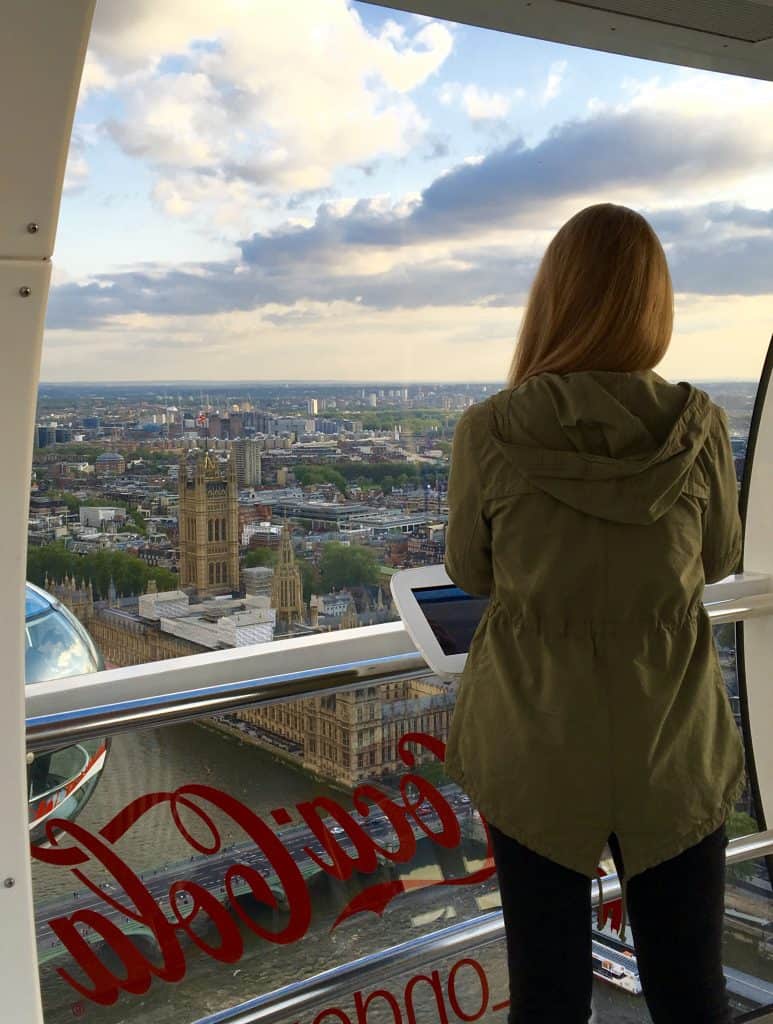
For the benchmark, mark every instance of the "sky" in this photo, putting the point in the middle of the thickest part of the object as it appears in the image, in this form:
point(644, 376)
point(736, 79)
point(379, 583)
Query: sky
point(326, 189)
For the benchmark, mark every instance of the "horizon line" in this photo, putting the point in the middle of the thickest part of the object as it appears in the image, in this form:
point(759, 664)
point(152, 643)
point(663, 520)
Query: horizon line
point(318, 382)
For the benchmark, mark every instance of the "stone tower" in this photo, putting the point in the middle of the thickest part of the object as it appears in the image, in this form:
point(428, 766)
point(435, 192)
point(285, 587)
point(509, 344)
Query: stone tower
point(349, 619)
point(286, 584)
point(79, 599)
point(208, 519)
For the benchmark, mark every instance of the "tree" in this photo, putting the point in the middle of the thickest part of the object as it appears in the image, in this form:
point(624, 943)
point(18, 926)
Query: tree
point(374, 472)
point(310, 578)
point(71, 452)
point(139, 522)
point(53, 559)
point(415, 421)
point(307, 475)
point(341, 566)
point(72, 502)
point(129, 574)
point(260, 556)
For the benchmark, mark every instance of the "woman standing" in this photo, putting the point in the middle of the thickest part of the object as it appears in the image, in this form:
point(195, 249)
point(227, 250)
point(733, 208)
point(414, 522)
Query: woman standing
point(592, 499)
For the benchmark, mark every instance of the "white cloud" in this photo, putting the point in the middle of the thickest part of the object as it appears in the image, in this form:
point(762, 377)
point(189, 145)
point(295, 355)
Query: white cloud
point(393, 30)
point(242, 116)
point(186, 194)
point(95, 77)
point(482, 105)
point(274, 95)
point(339, 340)
point(348, 341)
point(703, 93)
point(478, 103)
point(740, 108)
point(77, 169)
point(555, 79)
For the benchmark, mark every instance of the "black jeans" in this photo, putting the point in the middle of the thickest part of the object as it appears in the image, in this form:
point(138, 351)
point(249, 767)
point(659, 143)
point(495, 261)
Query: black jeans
point(675, 910)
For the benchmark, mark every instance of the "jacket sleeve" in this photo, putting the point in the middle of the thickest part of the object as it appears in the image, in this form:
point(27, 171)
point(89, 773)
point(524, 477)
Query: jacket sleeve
point(722, 526)
point(468, 534)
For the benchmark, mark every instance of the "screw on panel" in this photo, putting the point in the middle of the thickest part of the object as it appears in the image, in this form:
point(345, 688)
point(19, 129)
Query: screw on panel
point(33, 228)
point(9, 883)
point(25, 292)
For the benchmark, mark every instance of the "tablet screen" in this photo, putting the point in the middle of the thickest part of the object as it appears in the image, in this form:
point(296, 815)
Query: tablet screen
point(452, 614)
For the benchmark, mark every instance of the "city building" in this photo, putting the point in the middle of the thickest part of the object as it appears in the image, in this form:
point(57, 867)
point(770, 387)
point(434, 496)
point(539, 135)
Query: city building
point(121, 634)
point(194, 847)
point(258, 580)
point(352, 736)
point(46, 436)
point(101, 516)
point(261, 535)
point(246, 451)
point(109, 464)
point(345, 738)
point(286, 584)
point(208, 520)
point(214, 624)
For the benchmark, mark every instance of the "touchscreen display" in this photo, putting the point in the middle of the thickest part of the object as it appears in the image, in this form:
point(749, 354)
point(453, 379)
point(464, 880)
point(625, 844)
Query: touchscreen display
point(452, 614)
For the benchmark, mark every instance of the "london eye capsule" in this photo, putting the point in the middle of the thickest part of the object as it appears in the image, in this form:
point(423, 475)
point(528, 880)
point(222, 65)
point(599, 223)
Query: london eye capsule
point(60, 781)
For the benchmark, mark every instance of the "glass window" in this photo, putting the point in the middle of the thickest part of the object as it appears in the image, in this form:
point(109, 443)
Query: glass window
point(56, 646)
point(315, 248)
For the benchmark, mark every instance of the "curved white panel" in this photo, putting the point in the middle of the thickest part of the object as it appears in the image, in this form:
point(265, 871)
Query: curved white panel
point(727, 43)
point(756, 640)
point(42, 48)
point(21, 339)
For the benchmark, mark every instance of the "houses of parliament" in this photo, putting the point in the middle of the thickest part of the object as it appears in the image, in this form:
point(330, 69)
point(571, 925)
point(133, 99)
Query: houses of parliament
point(342, 738)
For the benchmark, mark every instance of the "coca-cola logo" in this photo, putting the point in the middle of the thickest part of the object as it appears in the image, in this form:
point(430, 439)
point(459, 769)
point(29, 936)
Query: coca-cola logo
point(190, 902)
point(463, 992)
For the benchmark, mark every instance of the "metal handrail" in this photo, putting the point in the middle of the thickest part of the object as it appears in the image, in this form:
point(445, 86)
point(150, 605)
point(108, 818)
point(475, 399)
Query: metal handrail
point(181, 689)
point(288, 1002)
point(151, 695)
point(166, 708)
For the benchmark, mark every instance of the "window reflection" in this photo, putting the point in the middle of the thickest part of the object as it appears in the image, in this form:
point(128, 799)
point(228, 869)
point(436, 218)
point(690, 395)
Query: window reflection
point(55, 643)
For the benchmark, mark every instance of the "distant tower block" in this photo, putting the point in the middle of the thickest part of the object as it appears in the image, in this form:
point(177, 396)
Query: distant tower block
point(286, 585)
point(209, 526)
point(248, 461)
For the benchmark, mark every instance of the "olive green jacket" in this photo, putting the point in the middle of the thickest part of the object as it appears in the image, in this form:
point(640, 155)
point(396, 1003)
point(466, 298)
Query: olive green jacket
point(591, 507)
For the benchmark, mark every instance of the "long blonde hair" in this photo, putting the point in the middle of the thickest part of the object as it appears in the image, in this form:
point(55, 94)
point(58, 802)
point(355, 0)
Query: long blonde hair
point(601, 300)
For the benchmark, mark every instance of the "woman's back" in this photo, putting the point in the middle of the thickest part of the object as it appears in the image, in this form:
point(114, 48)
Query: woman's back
point(592, 500)
point(624, 458)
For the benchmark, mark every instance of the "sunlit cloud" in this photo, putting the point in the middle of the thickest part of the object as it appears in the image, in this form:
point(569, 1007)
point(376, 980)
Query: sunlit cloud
point(554, 81)
point(479, 104)
point(364, 197)
point(213, 97)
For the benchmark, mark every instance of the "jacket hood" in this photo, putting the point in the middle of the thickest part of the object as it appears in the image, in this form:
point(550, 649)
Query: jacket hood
point(616, 445)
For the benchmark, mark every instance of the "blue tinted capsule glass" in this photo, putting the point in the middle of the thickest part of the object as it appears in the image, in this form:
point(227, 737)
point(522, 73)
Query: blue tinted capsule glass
point(56, 644)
